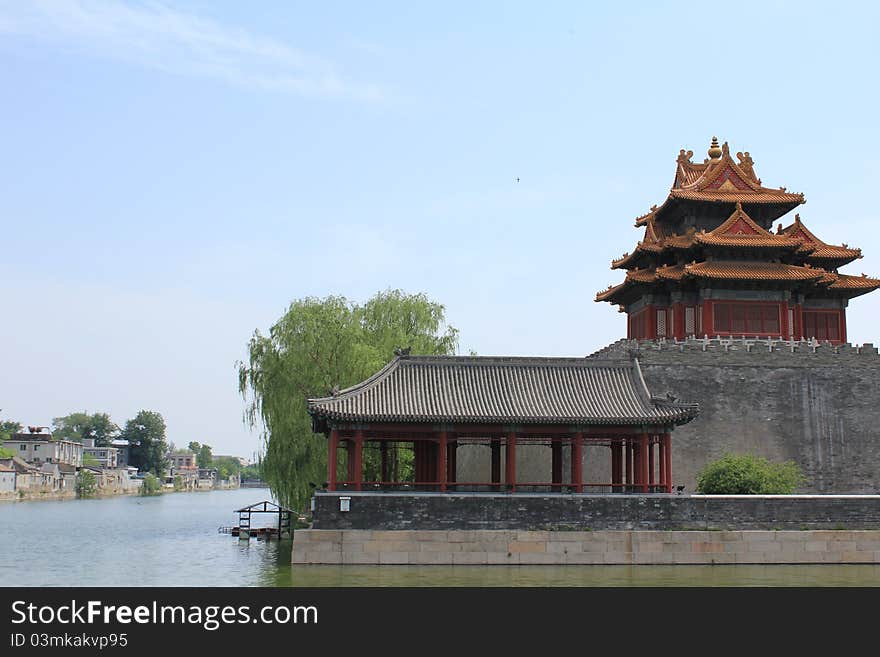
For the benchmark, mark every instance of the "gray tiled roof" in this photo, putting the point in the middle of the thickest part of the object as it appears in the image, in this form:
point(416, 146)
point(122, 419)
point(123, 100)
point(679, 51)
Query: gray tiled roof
point(477, 389)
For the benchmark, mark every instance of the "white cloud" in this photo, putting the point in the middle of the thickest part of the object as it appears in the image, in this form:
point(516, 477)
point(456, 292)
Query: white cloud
point(160, 37)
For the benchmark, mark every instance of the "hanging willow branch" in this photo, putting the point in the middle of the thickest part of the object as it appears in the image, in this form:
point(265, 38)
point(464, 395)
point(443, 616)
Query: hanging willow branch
point(316, 345)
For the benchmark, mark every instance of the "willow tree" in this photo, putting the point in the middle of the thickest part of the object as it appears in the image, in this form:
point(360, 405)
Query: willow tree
point(319, 344)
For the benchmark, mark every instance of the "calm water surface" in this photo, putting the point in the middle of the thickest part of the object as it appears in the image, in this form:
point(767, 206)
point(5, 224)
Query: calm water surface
point(172, 540)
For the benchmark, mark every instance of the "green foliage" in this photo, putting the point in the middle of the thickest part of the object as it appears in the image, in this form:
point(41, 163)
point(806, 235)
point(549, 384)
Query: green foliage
point(747, 474)
point(88, 459)
point(146, 434)
point(86, 484)
point(7, 428)
point(152, 485)
point(178, 482)
point(204, 458)
point(316, 345)
point(252, 472)
point(78, 426)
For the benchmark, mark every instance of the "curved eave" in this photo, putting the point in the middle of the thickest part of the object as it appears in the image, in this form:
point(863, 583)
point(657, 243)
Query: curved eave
point(680, 414)
point(853, 286)
point(748, 242)
point(744, 197)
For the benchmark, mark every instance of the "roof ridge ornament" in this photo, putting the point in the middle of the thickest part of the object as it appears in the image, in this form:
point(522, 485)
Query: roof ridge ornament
point(715, 150)
point(401, 352)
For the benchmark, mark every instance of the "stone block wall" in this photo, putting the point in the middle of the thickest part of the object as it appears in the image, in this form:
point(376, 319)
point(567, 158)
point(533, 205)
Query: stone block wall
point(818, 405)
point(469, 547)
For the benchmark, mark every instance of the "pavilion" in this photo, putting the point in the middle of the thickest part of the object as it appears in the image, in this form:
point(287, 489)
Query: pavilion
point(709, 265)
point(434, 404)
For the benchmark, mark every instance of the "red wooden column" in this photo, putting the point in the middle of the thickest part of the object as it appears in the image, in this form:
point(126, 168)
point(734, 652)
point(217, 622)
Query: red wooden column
point(442, 463)
point(495, 444)
point(628, 449)
point(643, 462)
point(577, 477)
point(843, 325)
point(667, 456)
point(510, 458)
point(451, 463)
point(785, 329)
point(331, 459)
point(651, 477)
point(349, 460)
point(556, 463)
point(662, 453)
point(383, 452)
point(358, 459)
point(615, 466)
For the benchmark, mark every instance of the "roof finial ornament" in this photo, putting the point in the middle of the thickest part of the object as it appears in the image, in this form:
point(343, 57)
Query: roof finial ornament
point(715, 149)
point(403, 353)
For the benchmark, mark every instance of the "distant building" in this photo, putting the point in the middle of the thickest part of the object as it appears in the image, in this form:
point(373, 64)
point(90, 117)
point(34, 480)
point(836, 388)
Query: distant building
point(38, 448)
point(123, 452)
point(7, 479)
point(181, 460)
point(107, 457)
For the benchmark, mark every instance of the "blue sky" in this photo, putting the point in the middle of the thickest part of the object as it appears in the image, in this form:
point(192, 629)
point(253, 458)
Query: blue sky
point(176, 173)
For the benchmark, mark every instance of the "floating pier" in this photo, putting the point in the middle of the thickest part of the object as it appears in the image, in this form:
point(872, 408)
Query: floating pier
point(282, 529)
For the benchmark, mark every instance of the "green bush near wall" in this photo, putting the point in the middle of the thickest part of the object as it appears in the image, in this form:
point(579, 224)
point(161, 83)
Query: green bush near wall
point(747, 474)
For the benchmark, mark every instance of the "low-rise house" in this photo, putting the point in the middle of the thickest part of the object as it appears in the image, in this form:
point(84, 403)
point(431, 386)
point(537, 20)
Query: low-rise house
point(56, 477)
point(37, 447)
point(7, 479)
point(26, 474)
point(181, 460)
point(107, 457)
point(123, 451)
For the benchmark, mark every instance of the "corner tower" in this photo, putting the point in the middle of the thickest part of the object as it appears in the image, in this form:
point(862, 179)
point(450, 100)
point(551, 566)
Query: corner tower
point(709, 265)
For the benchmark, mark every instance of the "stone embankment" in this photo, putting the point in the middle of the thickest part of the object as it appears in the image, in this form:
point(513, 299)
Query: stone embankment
point(465, 547)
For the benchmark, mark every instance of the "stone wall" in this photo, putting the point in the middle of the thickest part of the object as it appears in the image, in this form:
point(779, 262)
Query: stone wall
point(818, 405)
point(465, 547)
point(561, 512)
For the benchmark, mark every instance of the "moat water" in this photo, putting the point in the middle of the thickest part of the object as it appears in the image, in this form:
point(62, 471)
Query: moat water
point(172, 540)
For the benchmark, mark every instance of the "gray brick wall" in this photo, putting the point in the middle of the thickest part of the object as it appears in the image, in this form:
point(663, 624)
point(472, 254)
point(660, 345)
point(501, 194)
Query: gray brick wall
point(817, 405)
point(392, 511)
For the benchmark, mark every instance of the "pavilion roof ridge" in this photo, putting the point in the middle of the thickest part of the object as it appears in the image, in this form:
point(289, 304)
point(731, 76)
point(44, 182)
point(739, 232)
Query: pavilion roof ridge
point(535, 390)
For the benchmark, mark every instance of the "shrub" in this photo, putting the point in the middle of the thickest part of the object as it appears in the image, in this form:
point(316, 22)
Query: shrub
point(152, 485)
point(747, 474)
point(86, 484)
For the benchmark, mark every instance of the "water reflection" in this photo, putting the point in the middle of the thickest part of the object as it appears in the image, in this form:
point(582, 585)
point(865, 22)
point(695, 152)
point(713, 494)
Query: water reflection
point(172, 540)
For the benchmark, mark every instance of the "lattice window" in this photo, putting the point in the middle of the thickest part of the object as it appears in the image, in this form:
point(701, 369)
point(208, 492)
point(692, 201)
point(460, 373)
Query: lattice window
point(746, 318)
point(822, 325)
point(689, 324)
point(661, 323)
